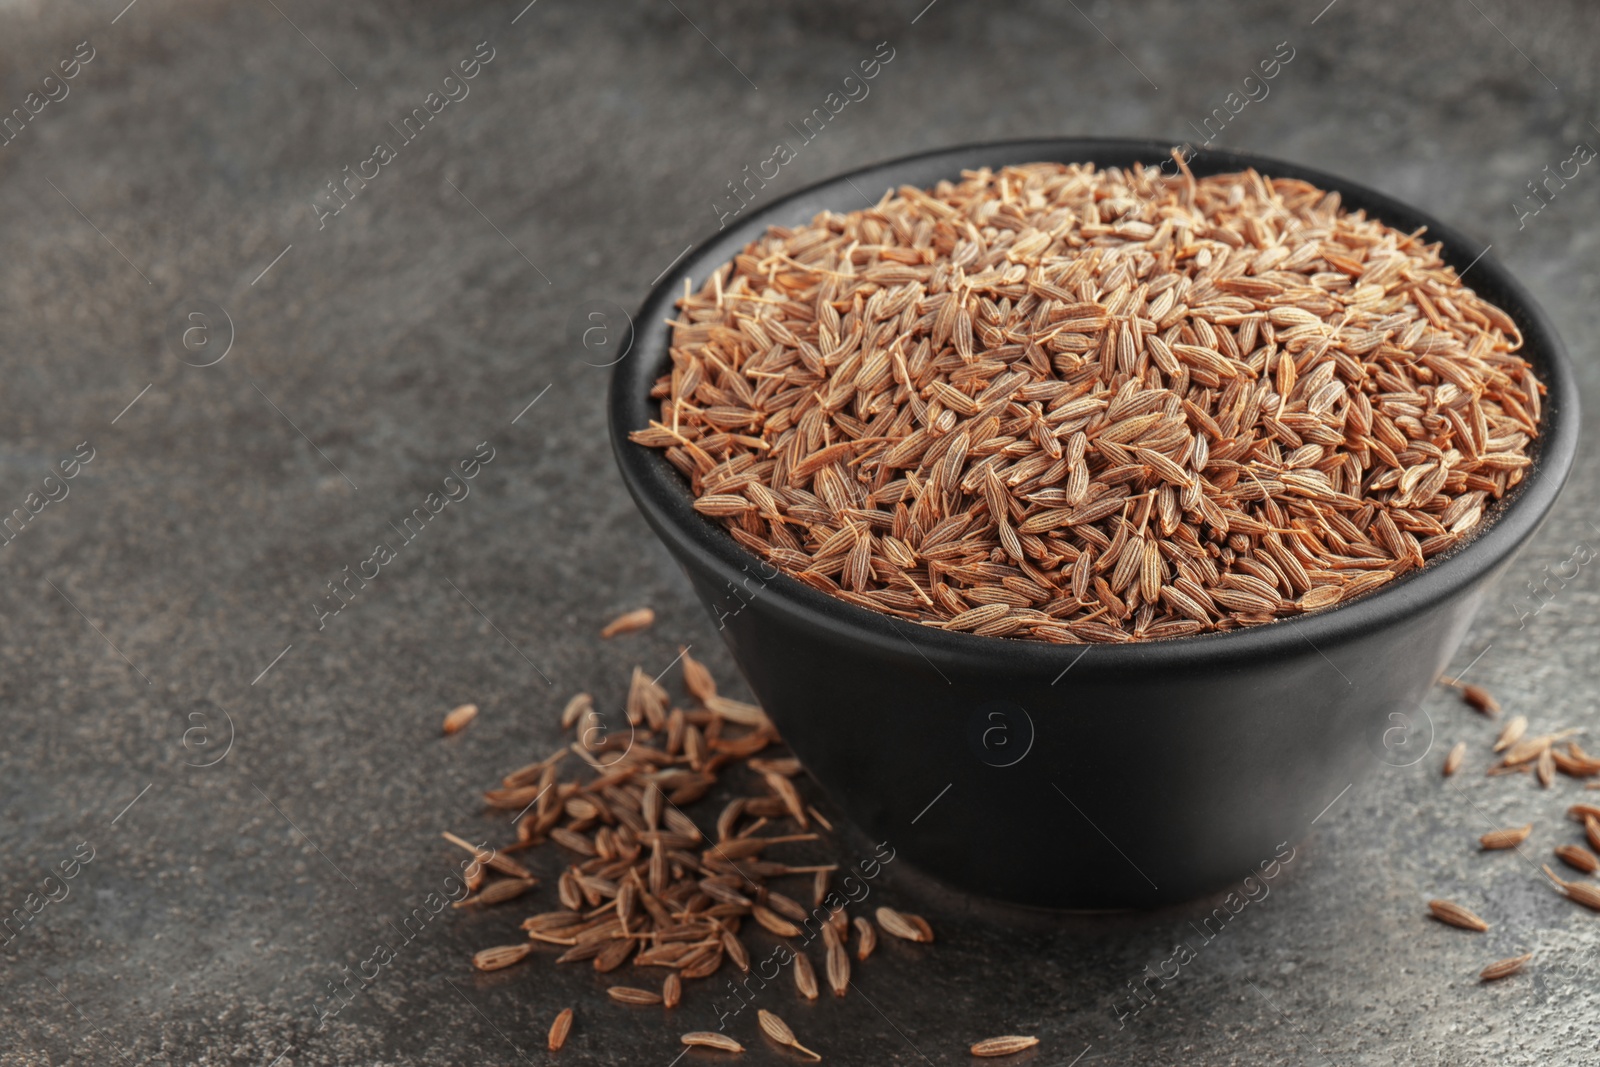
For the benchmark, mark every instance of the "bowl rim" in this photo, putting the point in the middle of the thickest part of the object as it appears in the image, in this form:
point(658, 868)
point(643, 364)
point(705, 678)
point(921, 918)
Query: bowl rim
point(664, 497)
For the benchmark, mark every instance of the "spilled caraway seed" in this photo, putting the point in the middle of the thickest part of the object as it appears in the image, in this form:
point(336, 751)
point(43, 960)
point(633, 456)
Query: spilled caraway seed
point(1003, 1046)
point(1582, 892)
point(643, 885)
point(1578, 858)
point(1452, 762)
point(1504, 968)
point(1509, 838)
point(628, 622)
point(1456, 915)
point(996, 407)
point(559, 1030)
point(778, 1030)
point(710, 1039)
point(458, 718)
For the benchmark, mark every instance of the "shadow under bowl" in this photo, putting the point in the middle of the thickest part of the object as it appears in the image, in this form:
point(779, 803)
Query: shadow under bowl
point(1099, 776)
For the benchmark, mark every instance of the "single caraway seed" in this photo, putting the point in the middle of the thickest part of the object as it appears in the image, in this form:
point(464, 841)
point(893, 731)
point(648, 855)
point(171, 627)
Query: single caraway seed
point(986, 408)
point(672, 990)
point(778, 1030)
point(838, 961)
point(1591, 830)
point(559, 1030)
point(1504, 968)
point(1578, 858)
point(623, 994)
point(1509, 838)
point(492, 959)
point(1452, 762)
point(711, 1039)
point(866, 937)
point(1003, 1046)
point(1582, 892)
point(1456, 915)
point(1514, 728)
point(629, 621)
point(500, 891)
point(1481, 698)
point(1545, 768)
point(805, 978)
point(457, 719)
point(902, 925)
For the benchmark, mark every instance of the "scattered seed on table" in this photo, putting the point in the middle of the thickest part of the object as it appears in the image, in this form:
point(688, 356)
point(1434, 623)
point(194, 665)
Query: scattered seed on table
point(1508, 838)
point(866, 937)
point(492, 959)
point(805, 977)
point(1452, 762)
point(628, 622)
point(457, 719)
point(902, 925)
point(1504, 968)
point(1578, 858)
point(1456, 915)
point(671, 990)
point(1480, 698)
point(710, 1039)
point(1511, 733)
point(1003, 1046)
point(778, 1030)
point(623, 994)
point(559, 1030)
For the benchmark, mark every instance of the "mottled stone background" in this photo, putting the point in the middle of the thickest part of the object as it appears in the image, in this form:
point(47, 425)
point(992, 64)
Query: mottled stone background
point(420, 321)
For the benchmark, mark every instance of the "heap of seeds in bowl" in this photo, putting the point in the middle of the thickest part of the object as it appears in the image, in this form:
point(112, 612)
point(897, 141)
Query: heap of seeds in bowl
point(1071, 404)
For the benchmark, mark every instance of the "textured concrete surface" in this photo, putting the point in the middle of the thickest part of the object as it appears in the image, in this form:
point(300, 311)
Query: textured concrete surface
point(172, 590)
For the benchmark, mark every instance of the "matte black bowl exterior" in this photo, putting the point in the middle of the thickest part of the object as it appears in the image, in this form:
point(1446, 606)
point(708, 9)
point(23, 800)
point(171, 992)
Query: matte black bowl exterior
point(1102, 776)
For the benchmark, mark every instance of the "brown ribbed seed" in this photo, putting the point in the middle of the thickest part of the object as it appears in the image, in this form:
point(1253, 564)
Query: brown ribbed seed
point(1546, 768)
point(774, 923)
point(559, 1030)
point(575, 709)
point(711, 1039)
point(1003, 1046)
point(458, 718)
point(1581, 892)
point(1509, 838)
point(629, 995)
point(1504, 968)
point(1515, 727)
point(628, 622)
point(499, 892)
point(492, 959)
point(900, 925)
point(672, 990)
point(866, 937)
point(1456, 915)
point(1578, 858)
point(1591, 830)
point(1480, 698)
point(805, 978)
point(778, 1030)
point(1452, 762)
point(838, 962)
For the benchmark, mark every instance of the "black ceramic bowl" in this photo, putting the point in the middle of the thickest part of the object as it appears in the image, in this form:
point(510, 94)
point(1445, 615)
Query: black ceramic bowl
point(1101, 776)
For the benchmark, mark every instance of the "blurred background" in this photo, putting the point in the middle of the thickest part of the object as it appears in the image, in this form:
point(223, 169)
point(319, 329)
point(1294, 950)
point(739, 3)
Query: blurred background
point(259, 778)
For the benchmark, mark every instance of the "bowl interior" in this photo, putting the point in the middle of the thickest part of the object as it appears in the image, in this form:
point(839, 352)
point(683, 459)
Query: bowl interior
point(665, 496)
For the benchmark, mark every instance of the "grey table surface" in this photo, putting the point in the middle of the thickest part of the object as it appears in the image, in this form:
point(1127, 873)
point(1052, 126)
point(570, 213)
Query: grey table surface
point(171, 593)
